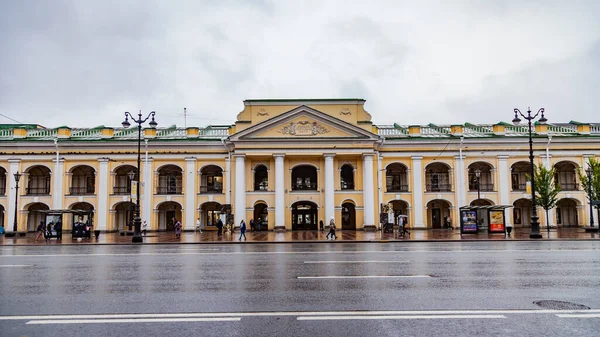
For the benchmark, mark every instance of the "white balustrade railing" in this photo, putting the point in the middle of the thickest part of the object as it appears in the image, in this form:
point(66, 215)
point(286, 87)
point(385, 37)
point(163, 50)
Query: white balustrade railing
point(42, 133)
point(6, 133)
point(86, 133)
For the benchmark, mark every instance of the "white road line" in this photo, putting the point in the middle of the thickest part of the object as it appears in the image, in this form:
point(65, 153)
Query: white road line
point(371, 261)
point(332, 318)
point(14, 265)
point(136, 320)
point(362, 276)
point(578, 315)
point(301, 313)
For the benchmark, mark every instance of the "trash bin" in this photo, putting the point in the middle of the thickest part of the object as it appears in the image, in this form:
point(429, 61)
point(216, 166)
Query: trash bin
point(96, 234)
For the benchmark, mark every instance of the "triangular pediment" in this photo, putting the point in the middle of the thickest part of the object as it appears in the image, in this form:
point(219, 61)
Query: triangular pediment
point(303, 123)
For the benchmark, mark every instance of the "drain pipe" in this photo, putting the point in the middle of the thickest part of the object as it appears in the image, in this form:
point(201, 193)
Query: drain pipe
point(228, 173)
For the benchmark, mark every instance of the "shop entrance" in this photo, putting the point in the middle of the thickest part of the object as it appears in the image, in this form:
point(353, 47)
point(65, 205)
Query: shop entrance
point(304, 216)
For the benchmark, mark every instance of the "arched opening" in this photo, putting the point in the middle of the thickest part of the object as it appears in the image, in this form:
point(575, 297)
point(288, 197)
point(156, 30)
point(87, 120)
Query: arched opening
point(348, 216)
point(437, 211)
point(34, 216)
point(38, 180)
point(400, 207)
point(2, 214)
point(304, 215)
point(122, 182)
point(566, 213)
point(261, 178)
point(396, 178)
point(304, 178)
point(481, 202)
point(82, 218)
point(83, 180)
point(210, 212)
point(437, 178)
point(3, 176)
point(169, 180)
point(566, 175)
point(169, 213)
point(518, 175)
point(211, 179)
point(347, 177)
point(261, 213)
point(124, 212)
point(480, 177)
point(522, 212)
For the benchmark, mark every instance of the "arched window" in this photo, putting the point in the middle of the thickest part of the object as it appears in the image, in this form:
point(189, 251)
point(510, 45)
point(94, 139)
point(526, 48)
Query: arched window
point(396, 179)
point(261, 178)
point(211, 179)
point(347, 177)
point(169, 180)
point(304, 178)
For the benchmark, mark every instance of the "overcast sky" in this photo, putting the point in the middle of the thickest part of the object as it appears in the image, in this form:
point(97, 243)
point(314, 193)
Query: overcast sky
point(82, 63)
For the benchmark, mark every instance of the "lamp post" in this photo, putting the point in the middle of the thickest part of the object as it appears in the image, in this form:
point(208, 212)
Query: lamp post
point(137, 221)
point(131, 175)
point(17, 178)
point(478, 175)
point(535, 225)
point(588, 172)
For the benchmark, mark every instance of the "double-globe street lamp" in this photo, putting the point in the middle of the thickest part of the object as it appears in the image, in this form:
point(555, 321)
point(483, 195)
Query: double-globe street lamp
point(535, 225)
point(589, 172)
point(17, 178)
point(478, 176)
point(137, 221)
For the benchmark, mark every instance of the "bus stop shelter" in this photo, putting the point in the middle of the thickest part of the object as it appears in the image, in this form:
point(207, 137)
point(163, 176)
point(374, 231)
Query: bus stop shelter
point(472, 219)
point(81, 220)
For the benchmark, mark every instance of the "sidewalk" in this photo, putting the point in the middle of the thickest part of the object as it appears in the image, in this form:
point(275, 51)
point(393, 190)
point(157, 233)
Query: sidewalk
point(306, 236)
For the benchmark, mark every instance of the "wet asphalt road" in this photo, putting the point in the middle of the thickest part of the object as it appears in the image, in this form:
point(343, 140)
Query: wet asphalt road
point(326, 289)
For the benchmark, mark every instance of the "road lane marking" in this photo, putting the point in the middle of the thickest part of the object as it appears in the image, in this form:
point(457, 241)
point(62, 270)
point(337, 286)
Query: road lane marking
point(369, 261)
point(332, 318)
point(14, 265)
point(362, 276)
point(136, 320)
point(301, 313)
point(578, 315)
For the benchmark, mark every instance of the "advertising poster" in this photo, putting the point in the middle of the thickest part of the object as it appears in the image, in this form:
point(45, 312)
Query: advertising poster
point(469, 222)
point(497, 221)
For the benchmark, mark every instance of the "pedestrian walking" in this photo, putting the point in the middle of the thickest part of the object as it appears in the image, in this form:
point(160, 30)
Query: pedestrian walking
point(144, 227)
point(219, 227)
point(41, 230)
point(252, 226)
point(331, 229)
point(198, 226)
point(321, 228)
point(177, 229)
point(258, 223)
point(58, 229)
point(242, 230)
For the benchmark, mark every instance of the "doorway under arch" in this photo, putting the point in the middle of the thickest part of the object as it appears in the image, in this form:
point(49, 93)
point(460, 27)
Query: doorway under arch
point(35, 216)
point(522, 212)
point(261, 212)
point(348, 216)
point(437, 211)
point(210, 212)
point(2, 214)
point(304, 215)
point(124, 215)
point(566, 213)
point(167, 211)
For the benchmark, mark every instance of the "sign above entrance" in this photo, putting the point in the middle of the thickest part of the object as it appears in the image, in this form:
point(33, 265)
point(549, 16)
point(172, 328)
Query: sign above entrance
point(303, 128)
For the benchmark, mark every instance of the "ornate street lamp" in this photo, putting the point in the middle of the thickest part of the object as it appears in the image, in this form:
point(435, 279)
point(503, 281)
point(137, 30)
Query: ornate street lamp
point(131, 175)
point(17, 178)
point(535, 225)
point(478, 175)
point(589, 172)
point(137, 221)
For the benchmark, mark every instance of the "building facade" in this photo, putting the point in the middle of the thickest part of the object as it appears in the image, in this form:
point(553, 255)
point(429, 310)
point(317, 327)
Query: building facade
point(290, 163)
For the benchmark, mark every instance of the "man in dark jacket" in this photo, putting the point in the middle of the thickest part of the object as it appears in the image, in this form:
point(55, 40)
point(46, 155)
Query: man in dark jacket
point(219, 227)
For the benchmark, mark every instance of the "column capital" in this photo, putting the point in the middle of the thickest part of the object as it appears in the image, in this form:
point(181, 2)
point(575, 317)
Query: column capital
point(279, 155)
point(14, 161)
point(238, 156)
point(368, 155)
point(60, 160)
point(502, 157)
point(104, 159)
point(328, 155)
point(188, 159)
point(416, 157)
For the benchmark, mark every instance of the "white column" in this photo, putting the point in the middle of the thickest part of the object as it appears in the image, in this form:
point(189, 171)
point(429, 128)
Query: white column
point(548, 165)
point(103, 186)
point(417, 169)
point(12, 194)
point(57, 191)
point(190, 193)
point(503, 184)
point(379, 181)
point(279, 192)
point(459, 178)
point(368, 191)
point(240, 189)
point(148, 187)
point(228, 182)
point(329, 188)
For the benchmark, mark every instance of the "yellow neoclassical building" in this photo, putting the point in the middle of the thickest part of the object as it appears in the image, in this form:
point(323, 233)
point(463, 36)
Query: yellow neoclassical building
point(290, 163)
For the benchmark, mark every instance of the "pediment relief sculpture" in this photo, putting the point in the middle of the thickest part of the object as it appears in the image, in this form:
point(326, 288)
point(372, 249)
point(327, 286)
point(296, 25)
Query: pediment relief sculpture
point(303, 128)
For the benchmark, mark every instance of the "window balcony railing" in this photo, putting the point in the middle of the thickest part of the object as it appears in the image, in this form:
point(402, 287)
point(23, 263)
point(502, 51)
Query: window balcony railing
point(261, 186)
point(121, 190)
point(438, 187)
point(37, 191)
point(347, 185)
point(85, 190)
point(211, 189)
point(482, 187)
point(519, 187)
point(569, 186)
point(304, 187)
point(397, 188)
point(169, 190)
